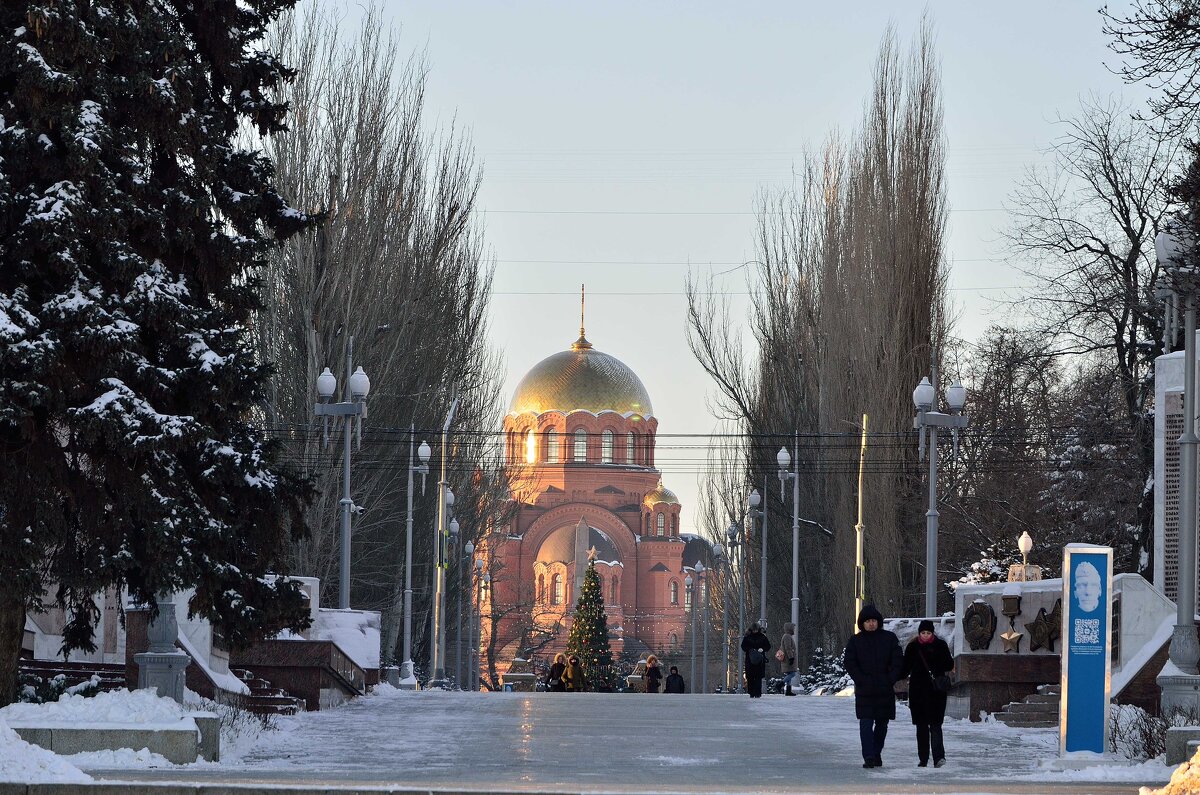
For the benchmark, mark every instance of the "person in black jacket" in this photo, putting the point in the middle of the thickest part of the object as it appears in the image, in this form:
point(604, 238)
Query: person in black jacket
point(653, 674)
point(556, 676)
point(674, 683)
point(926, 658)
point(874, 662)
point(755, 645)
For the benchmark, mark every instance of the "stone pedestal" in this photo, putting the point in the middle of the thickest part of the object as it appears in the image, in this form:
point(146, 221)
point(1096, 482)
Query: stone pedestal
point(391, 675)
point(164, 671)
point(1180, 693)
point(1026, 573)
point(520, 676)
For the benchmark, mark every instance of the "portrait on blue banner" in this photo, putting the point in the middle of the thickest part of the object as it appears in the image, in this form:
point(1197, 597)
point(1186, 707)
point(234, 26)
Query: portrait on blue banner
point(1086, 672)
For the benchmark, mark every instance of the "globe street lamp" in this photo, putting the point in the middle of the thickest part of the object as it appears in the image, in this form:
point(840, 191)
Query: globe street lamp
point(783, 459)
point(458, 624)
point(928, 419)
point(407, 677)
point(753, 501)
point(703, 583)
point(352, 411)
point(473, 676)
point(688, 584)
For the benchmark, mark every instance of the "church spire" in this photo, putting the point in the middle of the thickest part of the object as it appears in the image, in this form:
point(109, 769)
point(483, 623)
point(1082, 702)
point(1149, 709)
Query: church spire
point(581, 343)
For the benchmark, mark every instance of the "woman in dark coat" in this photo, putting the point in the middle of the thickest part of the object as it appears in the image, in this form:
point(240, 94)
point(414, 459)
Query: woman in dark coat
point(874, 662)
point(653, 674)
point(926, 658)
point(755, 646)
point(574, 676)
point(556, 676)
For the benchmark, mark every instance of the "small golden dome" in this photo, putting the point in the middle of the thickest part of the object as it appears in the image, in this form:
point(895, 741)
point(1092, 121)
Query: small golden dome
point(661, 494)
point(581, 378)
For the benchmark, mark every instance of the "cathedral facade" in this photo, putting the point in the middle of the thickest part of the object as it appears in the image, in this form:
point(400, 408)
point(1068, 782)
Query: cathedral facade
point(579, 442)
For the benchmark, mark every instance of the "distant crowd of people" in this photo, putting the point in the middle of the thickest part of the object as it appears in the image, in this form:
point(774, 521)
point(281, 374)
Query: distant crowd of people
point(872, 658)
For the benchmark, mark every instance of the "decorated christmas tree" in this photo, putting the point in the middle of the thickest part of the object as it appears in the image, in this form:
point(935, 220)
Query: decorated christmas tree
point(589, 634)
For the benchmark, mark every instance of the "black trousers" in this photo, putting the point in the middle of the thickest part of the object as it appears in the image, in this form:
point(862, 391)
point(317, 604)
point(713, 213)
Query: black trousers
point(754, 680)
point(929, 734)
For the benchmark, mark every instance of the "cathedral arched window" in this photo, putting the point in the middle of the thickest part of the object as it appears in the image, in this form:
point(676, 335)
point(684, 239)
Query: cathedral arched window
point(674, 592)
point(606, 447)
point(552, 445)
point(541, 588)
point(630, 447)
point(530, 447)
point(674, 641)
point(687, 597)
point(556, 585)
point(675, 524)
point(580, 445)
point(659, 524)
point(612, 593)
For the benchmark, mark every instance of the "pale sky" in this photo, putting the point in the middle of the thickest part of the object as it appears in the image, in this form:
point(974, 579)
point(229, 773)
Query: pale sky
point(623, 143)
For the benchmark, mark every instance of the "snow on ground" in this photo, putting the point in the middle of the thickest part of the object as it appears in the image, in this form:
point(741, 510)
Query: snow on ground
point(122, 707)
point(29, 764)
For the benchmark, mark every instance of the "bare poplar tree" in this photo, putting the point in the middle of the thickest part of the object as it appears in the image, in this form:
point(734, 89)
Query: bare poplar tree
point(846, 312)
point(398, 265)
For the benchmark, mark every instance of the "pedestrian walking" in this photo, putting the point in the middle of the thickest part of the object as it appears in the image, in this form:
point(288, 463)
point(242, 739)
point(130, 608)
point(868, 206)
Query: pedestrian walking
point(928, 664)
point(874, 661)
point(786, 655)
point(674, 683)
point(653, 674)
point(555, 676)
point(573, 676)
point(755, 646)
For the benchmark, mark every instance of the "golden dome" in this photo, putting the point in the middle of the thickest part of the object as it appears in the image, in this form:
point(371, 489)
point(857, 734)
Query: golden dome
point(581, 378)
point(661, 494)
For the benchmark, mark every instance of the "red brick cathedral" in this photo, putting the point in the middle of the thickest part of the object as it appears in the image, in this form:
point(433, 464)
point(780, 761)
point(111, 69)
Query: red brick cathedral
point(579, 445)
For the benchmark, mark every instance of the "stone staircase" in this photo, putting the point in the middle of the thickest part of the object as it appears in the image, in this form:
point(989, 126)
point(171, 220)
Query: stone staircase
point(110, 675)
point(1036, 711)
point(265, 698)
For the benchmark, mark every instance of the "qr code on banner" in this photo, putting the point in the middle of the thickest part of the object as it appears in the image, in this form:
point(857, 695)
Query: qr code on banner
point(1087, 630)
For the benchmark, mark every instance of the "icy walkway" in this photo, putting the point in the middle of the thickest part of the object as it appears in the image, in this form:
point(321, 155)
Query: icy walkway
point(558, 742)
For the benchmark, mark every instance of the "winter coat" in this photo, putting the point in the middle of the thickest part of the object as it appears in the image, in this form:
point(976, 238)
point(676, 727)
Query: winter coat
point(788, 645)
point(574, 679)
point(926, 702)
point(556, 673)
point(675, 684)
point(756, 640)
point(874, 662)
point(653, 677)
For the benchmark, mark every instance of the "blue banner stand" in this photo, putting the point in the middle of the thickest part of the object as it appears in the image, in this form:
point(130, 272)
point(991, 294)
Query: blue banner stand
point(1086, 654)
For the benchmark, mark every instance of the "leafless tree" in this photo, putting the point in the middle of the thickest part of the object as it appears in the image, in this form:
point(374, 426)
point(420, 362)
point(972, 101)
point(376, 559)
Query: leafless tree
point(1084, 229)
point(399, 266)
point(847, 301)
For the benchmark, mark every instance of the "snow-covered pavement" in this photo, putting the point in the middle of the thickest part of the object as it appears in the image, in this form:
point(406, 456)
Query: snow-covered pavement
point(623, 743)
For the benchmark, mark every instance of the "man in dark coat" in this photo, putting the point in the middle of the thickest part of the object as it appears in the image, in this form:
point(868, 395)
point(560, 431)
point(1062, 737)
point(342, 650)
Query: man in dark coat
point(755, 645)
point(874, 662)
point(674, 683)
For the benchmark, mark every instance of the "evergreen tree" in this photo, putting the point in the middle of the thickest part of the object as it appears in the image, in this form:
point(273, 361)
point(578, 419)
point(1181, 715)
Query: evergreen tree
point(589, 634)
point(825, 673)
point(132, 227)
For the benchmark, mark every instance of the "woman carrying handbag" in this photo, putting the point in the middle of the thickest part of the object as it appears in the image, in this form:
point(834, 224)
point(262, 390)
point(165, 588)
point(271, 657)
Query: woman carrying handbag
point(928, 665)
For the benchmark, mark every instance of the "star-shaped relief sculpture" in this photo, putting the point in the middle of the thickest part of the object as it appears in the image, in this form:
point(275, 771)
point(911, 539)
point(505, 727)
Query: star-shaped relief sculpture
point(592, 554)
point(1044, 629)
point(1012, 640)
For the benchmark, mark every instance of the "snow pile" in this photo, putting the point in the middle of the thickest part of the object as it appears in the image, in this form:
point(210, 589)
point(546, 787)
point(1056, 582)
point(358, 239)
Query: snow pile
point(356, 632)
point(29, 764)
point(1184, 781)
point(139, 707)
point(119, 758)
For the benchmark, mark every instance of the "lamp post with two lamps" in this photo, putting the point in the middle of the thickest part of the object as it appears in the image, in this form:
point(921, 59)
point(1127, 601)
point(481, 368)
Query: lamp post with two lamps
point(437, 634)
point(352, 411)
point(702, 582)
point(408, 679)
point(928, 419)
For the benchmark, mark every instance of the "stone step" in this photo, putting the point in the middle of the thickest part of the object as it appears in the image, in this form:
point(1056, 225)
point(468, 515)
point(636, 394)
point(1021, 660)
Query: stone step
point(1021, 722)
point(1034, 708)
point(1041, 698)
point(1050, 690)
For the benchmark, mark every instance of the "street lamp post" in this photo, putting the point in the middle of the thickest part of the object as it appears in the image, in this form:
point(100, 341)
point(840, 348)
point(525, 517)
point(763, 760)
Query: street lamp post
point(753, 501)
point(723, 573)
point(454, 543)
point(689, 585)
point(437, 636)
point(407, 678)
point(473, 656)
point(485, 588)
point(702, 580)
point(783, 459)
point(738, 550)
point(352, 411)
point(929, 419)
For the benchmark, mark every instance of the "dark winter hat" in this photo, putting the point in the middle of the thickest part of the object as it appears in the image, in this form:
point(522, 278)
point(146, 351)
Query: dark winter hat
point(870, 611)
point(925, 626)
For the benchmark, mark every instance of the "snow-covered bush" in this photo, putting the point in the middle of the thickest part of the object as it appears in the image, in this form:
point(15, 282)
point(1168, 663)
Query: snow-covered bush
point(825, 674)
point(34, 689)
point(1136, 734)
point(991, 567)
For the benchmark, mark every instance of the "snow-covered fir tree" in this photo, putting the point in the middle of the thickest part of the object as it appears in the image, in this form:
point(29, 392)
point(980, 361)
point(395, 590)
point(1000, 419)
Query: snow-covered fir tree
point(132, 225)
point(825, 673)
point(589, 634)
point(992, 566)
